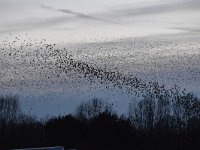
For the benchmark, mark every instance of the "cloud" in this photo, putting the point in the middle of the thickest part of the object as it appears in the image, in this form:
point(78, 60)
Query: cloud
point(32, 24)
point(106, 16)
point(157, 8)
point(188, 29)
point(38, 23)
point(80, 15)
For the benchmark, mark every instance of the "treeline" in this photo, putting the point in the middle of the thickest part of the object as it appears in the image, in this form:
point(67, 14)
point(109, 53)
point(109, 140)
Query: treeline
point(151, 124)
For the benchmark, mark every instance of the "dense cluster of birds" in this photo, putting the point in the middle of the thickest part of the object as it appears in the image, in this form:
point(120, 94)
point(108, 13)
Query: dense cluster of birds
point(40, 65)
point(114, 79)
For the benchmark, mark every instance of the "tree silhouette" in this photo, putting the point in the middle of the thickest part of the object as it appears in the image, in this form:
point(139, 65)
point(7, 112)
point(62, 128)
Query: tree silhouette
point(93, 108)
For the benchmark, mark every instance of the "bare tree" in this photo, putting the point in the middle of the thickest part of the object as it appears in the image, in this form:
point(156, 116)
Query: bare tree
point(93, 108)
point(143, 113)
point(9, 109)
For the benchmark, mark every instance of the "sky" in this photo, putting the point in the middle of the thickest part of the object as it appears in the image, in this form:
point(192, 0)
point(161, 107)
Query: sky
point(78, 20)
point(156, 40)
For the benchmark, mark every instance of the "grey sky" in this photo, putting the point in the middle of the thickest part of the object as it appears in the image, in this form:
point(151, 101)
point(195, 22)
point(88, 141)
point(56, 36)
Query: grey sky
point(79, 15)
point(173, 56)
point(160, 7)
point(86, 19)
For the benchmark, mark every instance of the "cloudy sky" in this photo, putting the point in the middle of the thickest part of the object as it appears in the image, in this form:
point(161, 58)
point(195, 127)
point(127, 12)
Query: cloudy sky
point(170, 60)
point(63, 20)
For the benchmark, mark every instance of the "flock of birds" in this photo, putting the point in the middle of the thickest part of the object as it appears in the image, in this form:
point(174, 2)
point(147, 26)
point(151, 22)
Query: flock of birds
point(42, 66)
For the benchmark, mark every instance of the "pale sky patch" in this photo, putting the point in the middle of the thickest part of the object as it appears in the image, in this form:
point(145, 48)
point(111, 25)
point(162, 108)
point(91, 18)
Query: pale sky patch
point(87, 19)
